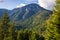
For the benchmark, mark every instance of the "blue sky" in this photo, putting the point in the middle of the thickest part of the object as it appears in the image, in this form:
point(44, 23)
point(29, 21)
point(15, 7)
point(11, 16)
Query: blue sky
point(11, 4)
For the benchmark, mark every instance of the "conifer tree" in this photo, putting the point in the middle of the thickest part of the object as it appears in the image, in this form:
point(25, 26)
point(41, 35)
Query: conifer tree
point(12, 32)
point(23, 35)
point(4, 24)
point(20, 35)
point(26, 34)
point(53, 24)
point(35, 36)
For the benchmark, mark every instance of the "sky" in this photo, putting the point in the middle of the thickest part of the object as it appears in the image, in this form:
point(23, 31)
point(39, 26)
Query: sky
point(11, 4)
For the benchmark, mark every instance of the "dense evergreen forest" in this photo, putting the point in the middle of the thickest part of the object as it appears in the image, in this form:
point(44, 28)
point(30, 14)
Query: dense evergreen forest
point(8, 30)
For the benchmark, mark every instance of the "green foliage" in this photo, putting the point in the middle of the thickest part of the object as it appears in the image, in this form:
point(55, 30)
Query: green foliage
point(29, 35)
point(12, 32)
point(53, 24)
point(4, 24)
point(8, 31)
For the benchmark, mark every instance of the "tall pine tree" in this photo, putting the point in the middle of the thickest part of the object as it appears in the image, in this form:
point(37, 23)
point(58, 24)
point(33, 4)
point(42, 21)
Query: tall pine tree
point(4, 24)
point(53, 24)
point(12, 32)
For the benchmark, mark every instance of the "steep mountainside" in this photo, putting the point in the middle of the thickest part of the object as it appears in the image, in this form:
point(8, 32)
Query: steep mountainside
point(29, 16)
point(36, 21)
point(26, 11)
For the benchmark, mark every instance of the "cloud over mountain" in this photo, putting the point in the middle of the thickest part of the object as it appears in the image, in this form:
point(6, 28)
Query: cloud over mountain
point(48, 4)
point(21, 5)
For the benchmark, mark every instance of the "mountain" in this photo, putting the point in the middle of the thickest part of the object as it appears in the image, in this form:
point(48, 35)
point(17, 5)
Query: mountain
point(23, 12)
point(30, 16)
point(26, 12)
point(36, 21)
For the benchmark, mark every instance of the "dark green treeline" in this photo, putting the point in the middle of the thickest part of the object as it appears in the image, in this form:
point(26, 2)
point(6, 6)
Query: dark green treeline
point(9, 32)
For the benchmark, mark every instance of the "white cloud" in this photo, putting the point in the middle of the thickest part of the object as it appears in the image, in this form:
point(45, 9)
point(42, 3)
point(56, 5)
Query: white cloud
point(21, 5)
point(48, 4)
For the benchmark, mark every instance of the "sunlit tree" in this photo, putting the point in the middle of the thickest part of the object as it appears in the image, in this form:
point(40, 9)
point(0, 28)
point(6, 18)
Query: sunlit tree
point(53, 24)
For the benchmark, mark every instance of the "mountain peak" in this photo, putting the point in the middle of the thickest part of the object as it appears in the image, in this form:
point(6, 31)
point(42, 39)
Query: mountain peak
point(24, 12)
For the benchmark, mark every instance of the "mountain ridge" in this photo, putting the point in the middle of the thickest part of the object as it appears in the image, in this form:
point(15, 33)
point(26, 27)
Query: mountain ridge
point(26, 11)
point(23, 12)
point(31, 15)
